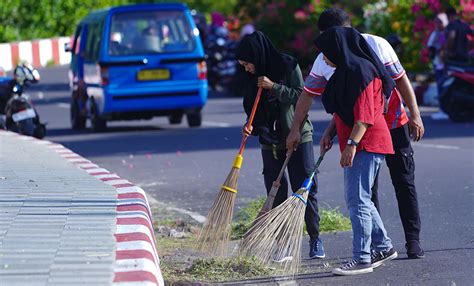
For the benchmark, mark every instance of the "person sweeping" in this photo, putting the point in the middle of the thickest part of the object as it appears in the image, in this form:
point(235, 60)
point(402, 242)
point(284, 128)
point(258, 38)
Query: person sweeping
point(280, 77)
point(355, 95)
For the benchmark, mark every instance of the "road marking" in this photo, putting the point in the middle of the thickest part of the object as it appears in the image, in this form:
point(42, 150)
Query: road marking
point(215, 124)
point(196, 216)
point(153, 184)
point(40, 95)
point(437, 146)
point(63, 105)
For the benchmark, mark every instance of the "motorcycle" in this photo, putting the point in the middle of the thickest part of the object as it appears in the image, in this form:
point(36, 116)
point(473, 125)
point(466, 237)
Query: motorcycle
point(221, 61)
point(19, 114)
point(457, 97)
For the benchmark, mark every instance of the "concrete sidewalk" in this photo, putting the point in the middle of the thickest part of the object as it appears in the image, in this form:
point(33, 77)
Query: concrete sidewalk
point(66, 221)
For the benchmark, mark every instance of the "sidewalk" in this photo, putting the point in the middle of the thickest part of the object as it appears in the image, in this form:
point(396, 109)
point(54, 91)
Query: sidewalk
point(66, 221)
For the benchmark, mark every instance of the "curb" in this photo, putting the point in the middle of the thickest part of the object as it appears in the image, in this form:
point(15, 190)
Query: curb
point(136, 258)
point(38, 52)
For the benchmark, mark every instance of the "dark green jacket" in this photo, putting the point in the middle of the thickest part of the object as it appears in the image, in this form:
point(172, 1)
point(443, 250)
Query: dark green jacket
point(288, 94)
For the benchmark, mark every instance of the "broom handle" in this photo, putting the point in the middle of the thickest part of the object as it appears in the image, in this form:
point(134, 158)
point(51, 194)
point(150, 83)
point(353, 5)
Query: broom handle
point(307, 184)
point(249, 123)
point(276, 183)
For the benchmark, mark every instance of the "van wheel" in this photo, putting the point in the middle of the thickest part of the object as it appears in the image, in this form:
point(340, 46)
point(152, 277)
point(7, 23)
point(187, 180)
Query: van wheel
point(194, 118)
point(175, 118)
point(98, 124)
point(78, 121)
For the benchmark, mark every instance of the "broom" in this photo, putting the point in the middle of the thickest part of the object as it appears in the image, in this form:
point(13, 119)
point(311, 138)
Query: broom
point(276, 184)
point(215, 233)
point(279, 232)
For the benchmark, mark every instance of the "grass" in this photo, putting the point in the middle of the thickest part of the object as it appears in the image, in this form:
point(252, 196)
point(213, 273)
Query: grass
point(331, 219)
point(181, 262)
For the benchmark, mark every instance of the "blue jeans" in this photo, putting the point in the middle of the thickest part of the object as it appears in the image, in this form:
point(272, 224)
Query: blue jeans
point(367, 226)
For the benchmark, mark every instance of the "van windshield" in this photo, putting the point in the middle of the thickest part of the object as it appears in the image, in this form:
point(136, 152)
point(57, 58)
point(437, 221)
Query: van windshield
point(150, 32)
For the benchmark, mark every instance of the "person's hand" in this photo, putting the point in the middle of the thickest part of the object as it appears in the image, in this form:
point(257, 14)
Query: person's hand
point(325, 144)
point(293, 140)
point(347, 156)
point(246, 131)
point(417, 130)
point(265, 82)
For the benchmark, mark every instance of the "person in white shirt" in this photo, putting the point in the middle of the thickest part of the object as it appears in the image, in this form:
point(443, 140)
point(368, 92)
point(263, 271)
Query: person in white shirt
point(402, 127)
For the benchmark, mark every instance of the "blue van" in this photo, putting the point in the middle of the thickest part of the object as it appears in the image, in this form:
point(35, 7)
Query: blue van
point(137, 62)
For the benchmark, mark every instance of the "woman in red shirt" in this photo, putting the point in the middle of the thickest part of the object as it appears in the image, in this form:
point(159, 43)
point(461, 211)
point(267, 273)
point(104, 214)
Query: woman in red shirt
point(355, 95)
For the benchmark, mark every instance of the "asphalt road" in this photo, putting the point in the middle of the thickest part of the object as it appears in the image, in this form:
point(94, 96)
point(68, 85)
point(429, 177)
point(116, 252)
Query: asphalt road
point(184, 168)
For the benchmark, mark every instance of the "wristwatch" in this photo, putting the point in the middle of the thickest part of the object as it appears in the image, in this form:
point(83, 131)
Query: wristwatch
point(352, 142)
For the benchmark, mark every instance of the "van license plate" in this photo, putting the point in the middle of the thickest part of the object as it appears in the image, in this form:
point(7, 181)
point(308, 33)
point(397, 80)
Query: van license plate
point(153, 74)
point(22, 115)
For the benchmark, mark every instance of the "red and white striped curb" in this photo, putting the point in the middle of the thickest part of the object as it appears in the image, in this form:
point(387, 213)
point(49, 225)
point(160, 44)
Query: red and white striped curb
point(136, 258)
point(37, 52)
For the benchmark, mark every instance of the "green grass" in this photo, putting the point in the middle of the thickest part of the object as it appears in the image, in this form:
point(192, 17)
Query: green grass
point(244, 218)
point(180, 260)
point(331, 219)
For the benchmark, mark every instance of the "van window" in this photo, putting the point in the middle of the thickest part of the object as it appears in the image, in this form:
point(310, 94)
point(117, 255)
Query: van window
point(93, 42)
point(150, 32)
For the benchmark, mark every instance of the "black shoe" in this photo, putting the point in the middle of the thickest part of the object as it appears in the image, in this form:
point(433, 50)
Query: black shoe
point(353, 267)
point(414, 249)
point(379, 257)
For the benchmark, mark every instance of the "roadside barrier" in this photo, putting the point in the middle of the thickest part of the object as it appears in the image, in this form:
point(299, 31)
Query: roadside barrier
point(136, 258)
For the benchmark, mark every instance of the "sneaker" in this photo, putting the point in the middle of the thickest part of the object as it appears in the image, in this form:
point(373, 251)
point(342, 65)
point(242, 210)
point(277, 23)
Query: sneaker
point(353, 267)
point(316, 249)
point(414, 249)
point(379, 257)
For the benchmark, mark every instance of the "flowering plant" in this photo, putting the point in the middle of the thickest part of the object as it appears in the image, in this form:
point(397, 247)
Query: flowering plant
point(412, 21)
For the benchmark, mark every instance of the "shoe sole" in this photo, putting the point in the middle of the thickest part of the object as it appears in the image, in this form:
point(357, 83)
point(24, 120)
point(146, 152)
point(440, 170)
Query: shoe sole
point(317, 257)
point(388, 258)
point(341, 272)
point(416, 256)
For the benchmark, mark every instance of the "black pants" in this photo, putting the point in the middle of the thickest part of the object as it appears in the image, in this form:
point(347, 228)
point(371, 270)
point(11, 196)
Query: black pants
point(402, 171)
point(300, 166)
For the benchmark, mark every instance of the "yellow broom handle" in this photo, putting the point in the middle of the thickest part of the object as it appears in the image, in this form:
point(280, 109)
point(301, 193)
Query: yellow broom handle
point(249, 124)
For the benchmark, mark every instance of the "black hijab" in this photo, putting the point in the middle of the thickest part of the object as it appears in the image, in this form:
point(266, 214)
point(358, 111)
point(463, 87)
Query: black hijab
point(357, 65)
point(257, 49)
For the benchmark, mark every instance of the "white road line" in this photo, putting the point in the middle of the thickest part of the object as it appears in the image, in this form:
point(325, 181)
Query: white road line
point(437, 146)
point(63, 105)
point(215, 124)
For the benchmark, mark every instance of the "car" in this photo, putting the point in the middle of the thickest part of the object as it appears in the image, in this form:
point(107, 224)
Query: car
point(136, 62)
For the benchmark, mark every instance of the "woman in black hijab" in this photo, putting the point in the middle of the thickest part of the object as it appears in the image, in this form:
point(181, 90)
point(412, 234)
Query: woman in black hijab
point(280, 77)
point(356, 94)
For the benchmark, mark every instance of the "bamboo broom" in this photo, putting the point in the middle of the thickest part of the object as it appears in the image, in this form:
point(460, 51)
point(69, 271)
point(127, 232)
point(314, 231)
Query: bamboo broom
point(279, 232)
point(215, 233)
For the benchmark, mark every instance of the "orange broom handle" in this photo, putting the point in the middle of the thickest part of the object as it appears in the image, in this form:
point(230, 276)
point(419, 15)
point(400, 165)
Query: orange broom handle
point(252, 115)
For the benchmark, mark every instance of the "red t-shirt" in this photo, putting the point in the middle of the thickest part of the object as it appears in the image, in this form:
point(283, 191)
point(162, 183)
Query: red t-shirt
point(368, 109)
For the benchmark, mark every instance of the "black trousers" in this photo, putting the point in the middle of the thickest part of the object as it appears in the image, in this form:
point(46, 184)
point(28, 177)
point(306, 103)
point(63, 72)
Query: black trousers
point(300, 166)
point(402, 171)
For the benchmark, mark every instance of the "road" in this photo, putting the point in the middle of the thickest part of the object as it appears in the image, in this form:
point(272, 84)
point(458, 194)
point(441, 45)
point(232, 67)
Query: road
point(185, 167)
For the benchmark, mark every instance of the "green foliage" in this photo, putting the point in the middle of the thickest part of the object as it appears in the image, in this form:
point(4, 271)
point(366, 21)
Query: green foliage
point(212, 270)
point(411, 20)
point(331, 219)
point(227, 269)
point(245, 217)
point(34, 19)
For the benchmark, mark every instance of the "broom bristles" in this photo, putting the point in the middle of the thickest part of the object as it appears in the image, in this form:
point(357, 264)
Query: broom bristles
point(278, 233)
point(215, 234)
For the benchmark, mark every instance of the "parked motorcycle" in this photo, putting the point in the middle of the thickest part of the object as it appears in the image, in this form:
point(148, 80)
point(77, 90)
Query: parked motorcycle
point(221, 61)
point(19, 114)
point(457, 97)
